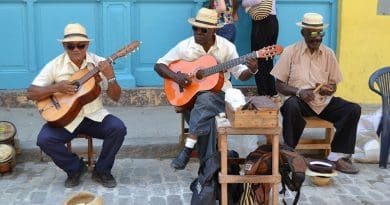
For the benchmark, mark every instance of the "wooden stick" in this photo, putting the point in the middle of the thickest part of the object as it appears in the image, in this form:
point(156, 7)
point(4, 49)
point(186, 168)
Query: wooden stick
point(318, 87)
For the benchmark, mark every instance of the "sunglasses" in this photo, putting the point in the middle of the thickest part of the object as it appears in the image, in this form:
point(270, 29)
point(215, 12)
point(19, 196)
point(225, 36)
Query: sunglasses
point(71, 46)
point(315, 34)
point(203, 30)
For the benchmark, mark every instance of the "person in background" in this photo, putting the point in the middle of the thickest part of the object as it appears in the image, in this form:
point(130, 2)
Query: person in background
point(227, 14)
point(264, 33)
point(93, 119)
point(307, 72)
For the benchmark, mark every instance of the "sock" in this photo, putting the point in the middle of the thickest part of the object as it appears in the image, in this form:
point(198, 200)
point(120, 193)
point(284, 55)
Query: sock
point(190, 143)
point(334, 156)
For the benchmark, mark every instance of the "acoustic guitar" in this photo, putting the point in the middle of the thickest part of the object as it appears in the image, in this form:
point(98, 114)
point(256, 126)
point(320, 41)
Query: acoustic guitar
point(206, 74)
point(60, 109)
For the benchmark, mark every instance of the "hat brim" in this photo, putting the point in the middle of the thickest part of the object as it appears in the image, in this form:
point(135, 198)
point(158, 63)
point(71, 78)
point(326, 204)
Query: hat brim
point(309, 172)
point(202, 25)
point(312, 27)
point(74, 39)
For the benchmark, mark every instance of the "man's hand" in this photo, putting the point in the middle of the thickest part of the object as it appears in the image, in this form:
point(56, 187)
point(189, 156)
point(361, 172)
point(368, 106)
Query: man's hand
point(106, 69)
point(66, 87)
point(251, 63)
point(182, 79)
point(327, 89)
point(306, 95)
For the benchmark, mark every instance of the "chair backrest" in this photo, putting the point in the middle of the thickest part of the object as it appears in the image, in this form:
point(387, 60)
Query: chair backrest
point(381, 78)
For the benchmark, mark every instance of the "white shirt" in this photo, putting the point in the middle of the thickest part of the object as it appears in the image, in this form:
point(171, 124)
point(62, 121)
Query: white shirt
point(222, 50)
point(62, 68)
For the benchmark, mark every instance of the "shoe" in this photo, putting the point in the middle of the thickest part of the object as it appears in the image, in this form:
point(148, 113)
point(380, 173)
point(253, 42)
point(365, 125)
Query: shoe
point(345, 165)
point(74, 178)
point(107, 180)
point(182, 159)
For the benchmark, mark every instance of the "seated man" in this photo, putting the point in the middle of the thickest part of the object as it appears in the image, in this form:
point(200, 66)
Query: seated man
point(207, 104)
point(92, 120)
point(308, 73)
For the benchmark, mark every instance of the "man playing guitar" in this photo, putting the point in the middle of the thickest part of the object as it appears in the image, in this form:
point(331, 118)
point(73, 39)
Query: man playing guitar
point(92, 119)
point(206, 104)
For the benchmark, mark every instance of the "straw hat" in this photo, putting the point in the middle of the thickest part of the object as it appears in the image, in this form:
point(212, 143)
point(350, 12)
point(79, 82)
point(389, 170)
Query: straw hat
point(313, 21)
point(75, 32)
point(206, 18)
point(86, 198)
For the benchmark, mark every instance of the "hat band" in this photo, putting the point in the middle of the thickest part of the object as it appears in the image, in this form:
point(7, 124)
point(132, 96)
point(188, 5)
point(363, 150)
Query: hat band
point(314, 25)
point(75, 34)
point(205, 22)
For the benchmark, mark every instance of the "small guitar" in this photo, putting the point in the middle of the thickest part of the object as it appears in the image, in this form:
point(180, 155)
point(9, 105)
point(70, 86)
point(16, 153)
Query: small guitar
point(60, 109)
point(205, 74)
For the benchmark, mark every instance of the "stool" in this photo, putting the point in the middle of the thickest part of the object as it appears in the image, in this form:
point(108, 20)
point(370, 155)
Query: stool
point(89, 150)
point(224, 129)
point(321, 144)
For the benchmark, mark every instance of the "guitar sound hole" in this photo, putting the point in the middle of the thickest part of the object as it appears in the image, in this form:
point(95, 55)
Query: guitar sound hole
point(199, 74)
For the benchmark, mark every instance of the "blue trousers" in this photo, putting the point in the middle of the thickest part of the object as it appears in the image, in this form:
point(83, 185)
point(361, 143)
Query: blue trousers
point(111, 130)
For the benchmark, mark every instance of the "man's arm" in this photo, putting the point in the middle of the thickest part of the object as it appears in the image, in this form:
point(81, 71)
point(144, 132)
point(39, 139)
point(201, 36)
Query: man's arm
point(37, 93)
point(305, 94)
point(180, 78)
point(251, 63)
point(114, 90)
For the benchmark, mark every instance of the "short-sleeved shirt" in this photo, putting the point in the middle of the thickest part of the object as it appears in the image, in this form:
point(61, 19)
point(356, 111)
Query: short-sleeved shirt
point(227, 16)
point(62, 68)
point(299, 68)
point(222, 50)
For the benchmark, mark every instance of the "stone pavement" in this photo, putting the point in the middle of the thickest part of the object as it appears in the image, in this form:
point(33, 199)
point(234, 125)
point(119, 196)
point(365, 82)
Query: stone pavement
point(142, 168)
point(153, 182)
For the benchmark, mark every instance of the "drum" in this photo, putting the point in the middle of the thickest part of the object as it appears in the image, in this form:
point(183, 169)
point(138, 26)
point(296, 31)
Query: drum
point(7, 133)
point(7, 158)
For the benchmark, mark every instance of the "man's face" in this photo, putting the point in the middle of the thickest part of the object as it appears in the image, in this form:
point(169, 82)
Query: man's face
point(77, 50)
point(313, 37)
point(203, 35)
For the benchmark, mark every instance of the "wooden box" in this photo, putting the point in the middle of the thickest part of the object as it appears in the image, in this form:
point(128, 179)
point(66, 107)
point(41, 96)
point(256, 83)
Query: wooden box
point(264, 116)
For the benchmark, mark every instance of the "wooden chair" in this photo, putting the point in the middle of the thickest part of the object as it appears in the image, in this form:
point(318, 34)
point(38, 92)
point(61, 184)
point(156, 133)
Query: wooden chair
point(89, 149)
point(308, 143)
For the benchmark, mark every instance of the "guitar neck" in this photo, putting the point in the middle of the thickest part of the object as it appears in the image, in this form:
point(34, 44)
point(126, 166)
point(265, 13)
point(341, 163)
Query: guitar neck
point(95, 70)
point(227, 65)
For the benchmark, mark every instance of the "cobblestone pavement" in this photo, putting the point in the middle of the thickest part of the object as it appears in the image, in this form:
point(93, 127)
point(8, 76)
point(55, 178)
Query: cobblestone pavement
point(153, 182)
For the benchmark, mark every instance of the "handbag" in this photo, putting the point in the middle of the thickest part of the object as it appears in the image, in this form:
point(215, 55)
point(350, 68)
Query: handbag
point(260, 11)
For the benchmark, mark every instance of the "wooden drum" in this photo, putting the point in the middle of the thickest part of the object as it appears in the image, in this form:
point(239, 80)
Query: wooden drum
point(7, 133)
point(7, 158)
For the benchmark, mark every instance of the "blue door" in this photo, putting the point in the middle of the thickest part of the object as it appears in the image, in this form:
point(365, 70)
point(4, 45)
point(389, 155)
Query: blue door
point(30, 29)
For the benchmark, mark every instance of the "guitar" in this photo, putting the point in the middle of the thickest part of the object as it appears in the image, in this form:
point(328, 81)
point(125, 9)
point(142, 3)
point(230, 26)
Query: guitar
point(205, 74)
point(60, 109)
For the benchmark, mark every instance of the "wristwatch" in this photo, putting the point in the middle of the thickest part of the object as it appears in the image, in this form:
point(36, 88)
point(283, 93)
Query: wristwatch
point(298, 91)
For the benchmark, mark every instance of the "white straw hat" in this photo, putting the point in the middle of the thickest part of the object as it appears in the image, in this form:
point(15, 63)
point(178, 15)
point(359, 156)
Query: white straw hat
point(312, 20)
point(206, 18)
point(74, 32)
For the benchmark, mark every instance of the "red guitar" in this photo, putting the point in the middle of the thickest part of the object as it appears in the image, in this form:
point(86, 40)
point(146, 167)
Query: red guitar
point(60, 109)
point(205, 74)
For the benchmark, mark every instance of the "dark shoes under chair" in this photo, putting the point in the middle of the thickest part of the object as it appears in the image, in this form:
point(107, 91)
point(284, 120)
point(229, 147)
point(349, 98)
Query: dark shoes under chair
point(345, 165)
point(74, 178)
point(182, 159)
point(107, 180)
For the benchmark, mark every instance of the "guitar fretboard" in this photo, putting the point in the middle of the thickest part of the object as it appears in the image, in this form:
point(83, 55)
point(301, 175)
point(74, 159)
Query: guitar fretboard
point(229, 64)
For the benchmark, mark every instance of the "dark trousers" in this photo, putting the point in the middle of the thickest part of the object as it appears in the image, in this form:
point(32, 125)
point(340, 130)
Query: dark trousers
point(265, 33)
point(343, 114)
point(111, 130)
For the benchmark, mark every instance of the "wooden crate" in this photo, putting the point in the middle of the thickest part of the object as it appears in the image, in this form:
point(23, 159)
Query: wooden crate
point(265, 116)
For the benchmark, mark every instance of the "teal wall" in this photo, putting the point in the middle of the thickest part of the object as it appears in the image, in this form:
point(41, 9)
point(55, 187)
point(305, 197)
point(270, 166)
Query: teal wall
point(30, 29)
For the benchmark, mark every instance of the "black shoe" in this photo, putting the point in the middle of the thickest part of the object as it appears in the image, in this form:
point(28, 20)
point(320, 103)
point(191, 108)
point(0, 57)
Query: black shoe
point(182, 159)
point(107, 180)
point(74, 178)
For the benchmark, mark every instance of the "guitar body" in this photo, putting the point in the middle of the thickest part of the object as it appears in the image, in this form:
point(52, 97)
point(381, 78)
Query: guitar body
point(61, 109)
point(183, 97)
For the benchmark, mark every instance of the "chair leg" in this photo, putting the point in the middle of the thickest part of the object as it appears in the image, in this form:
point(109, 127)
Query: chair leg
point(90, 151)
point(385, 144)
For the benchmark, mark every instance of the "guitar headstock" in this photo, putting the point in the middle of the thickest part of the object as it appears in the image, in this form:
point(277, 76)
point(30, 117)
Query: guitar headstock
point(269, 51)
point(131, 47)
